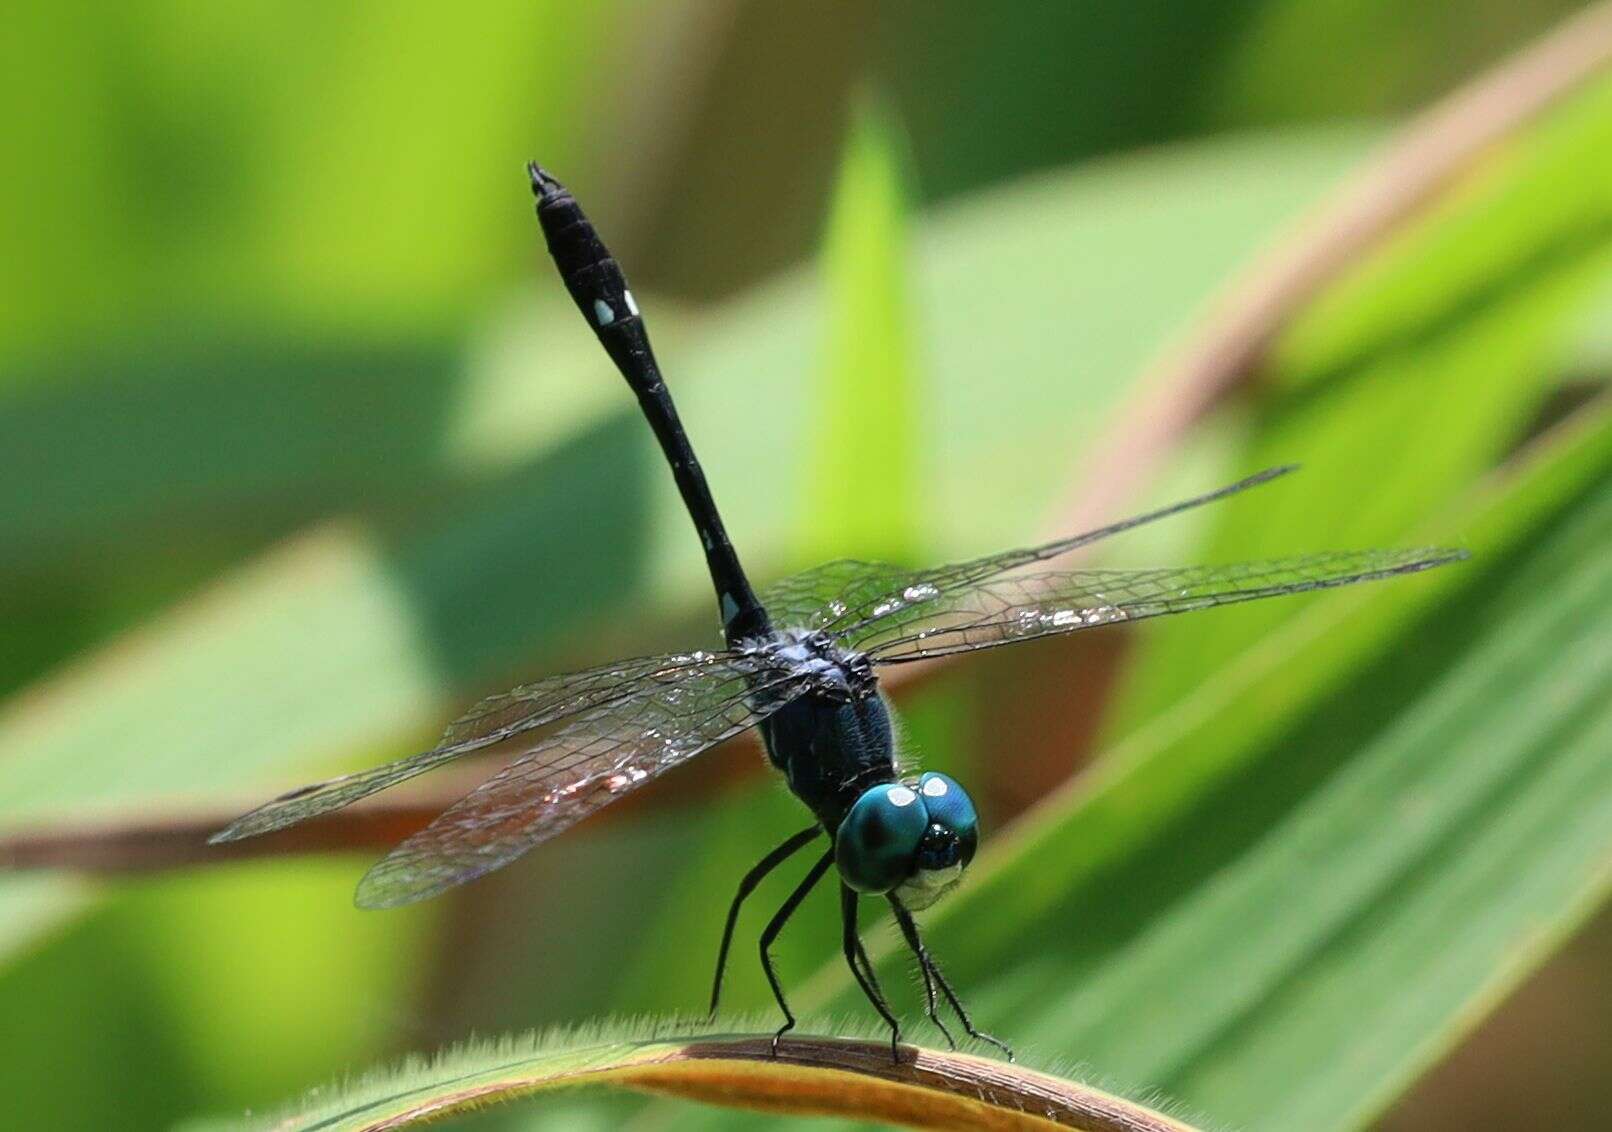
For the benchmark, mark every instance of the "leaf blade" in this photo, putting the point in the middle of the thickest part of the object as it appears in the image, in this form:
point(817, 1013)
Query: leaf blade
point(808, 1075)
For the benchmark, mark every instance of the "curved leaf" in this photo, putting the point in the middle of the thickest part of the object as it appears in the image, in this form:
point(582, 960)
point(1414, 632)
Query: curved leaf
point(809, 1076)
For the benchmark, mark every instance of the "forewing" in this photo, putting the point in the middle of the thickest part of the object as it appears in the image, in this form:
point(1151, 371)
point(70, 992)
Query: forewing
point(492, 721)
point(1019, 607)
point(583, 767)
point(821, 597)
point(500, 716)
point(847, 597)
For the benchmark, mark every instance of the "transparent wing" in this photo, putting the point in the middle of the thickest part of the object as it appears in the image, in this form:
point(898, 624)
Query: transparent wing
point(848, 597)
point(583, 767)
point(1002, 610)
point(530, 705)
point(820, 598)
point(489, 722)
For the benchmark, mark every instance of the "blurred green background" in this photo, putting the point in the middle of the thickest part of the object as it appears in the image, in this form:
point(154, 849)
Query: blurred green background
point(302, 448)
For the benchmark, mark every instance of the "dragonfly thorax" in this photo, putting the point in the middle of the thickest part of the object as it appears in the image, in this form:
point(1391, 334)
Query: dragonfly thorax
point(834, 671)
point(833, 739)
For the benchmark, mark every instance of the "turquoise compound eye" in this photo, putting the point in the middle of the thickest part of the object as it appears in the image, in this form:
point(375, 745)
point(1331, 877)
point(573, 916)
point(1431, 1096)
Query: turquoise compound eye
point(950, 807)
point(878, 840)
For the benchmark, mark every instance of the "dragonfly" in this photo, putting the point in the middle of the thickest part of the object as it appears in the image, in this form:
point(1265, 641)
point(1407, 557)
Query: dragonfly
point(801, 663)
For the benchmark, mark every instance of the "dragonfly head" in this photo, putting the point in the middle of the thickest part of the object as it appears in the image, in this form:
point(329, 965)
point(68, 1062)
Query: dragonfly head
point(914, 839)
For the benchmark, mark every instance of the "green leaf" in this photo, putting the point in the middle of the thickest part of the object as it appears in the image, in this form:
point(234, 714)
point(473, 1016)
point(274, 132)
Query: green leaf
point(31, 906)
point(867, 413)
point(145, 206)
point(253, 432)
point(130, 1016)
point(1414, 371)
point(822, 1075)
point(344, 642)
point(1281, 898)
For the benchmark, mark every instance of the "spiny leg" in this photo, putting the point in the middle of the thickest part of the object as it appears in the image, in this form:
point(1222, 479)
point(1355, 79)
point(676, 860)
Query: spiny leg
point(866, 968)
point(926, 968)
point(746, 886)
point(909, 929)
point(867, 964)
point(776, 925)
point(865, 977)
point(968, 1023)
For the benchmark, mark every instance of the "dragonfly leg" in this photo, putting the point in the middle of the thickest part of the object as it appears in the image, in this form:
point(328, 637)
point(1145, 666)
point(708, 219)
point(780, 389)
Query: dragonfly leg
point(926, 967)
point(909, 929)
point(746, 886)
point(867, 967)
point(776, 925)
point(865, 977)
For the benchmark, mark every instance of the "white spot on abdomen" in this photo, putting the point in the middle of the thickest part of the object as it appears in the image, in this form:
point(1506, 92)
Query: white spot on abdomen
point(602, 312)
